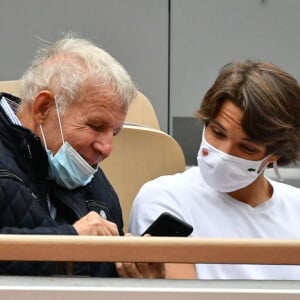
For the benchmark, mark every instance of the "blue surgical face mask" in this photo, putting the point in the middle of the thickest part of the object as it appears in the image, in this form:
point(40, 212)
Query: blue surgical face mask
point(67, 167)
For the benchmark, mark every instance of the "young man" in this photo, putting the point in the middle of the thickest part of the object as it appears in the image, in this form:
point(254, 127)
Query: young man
point(251, 117)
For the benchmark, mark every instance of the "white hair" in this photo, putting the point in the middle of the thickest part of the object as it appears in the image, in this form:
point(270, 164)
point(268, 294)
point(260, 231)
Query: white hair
point(66, 65)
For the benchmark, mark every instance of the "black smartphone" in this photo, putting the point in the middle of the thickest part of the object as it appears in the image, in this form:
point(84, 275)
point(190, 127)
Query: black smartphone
point(168, 225)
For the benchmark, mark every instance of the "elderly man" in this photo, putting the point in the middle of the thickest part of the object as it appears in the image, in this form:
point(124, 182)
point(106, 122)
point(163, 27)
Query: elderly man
point(74, 101)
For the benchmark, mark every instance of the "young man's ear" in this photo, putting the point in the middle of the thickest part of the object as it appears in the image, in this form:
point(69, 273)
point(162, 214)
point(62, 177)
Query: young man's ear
point(42, 105)
point(268, 161)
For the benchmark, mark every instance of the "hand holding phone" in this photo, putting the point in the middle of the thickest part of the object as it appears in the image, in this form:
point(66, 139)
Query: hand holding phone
point(169, 225)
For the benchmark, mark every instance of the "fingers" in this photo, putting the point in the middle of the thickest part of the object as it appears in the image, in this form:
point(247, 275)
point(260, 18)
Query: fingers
point(102, 226)
point(93, 224)
point(141, 270)
point(152, 270)
point(128, 270)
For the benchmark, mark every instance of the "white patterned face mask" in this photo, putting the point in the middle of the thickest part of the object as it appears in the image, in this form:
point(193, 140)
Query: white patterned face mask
point(224, 172)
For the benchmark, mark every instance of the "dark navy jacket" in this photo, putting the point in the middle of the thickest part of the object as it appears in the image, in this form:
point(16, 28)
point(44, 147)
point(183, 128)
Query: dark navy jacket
point(24, 188)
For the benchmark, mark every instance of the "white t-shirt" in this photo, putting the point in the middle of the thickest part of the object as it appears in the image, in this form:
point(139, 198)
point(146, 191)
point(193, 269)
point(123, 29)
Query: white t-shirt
point(217, 215)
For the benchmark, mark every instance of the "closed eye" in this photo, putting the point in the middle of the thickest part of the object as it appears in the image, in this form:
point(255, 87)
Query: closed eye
point(249, 149)
point(96, 127)
point(218, 134)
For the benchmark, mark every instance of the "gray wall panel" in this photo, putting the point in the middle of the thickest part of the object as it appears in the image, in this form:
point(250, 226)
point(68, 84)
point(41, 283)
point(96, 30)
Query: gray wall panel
point(206, 34)
point(134, 31)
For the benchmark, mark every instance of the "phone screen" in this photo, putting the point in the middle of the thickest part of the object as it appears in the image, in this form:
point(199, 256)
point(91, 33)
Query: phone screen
point(169, 225)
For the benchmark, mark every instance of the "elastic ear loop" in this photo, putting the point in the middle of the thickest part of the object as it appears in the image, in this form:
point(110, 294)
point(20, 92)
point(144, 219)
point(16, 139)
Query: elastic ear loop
point(60, 127)
point(275, 167)
point(59, 122)
point(43, 136)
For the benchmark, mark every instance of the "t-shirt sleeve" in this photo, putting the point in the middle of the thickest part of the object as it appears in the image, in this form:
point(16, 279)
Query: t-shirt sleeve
point(153, 198)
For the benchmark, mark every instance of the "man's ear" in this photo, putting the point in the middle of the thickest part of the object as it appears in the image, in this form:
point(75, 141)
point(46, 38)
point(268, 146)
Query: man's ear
point(273, 158)
point(42, 105)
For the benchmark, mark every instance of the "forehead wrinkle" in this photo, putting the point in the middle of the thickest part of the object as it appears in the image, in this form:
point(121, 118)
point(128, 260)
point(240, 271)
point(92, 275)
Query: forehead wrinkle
point(229, 116)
